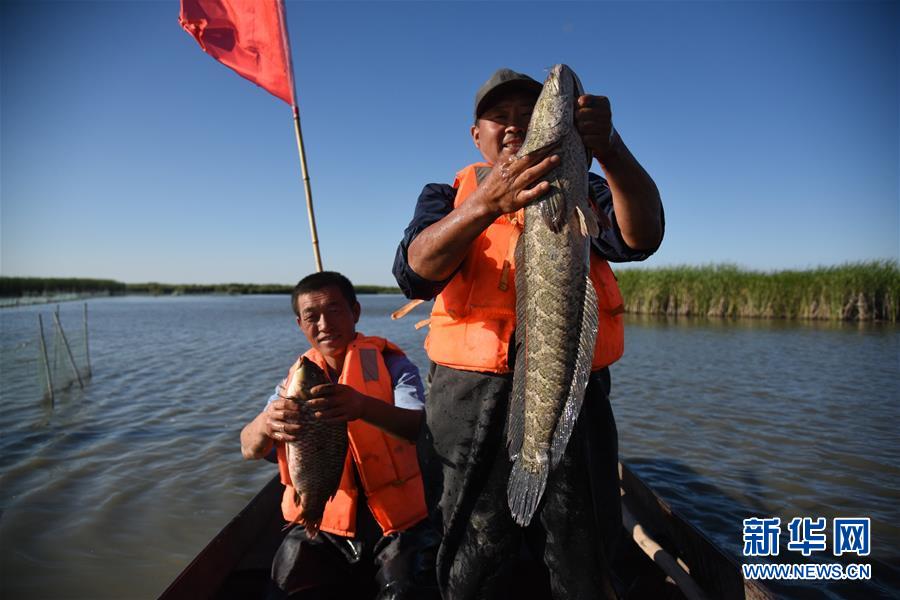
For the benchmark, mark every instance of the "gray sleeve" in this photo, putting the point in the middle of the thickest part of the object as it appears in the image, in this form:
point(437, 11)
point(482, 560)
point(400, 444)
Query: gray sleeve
point(408, 390)
point(274, 395)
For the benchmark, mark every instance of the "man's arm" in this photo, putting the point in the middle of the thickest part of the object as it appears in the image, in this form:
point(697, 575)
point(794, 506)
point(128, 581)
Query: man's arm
point(434, 203)
point(635, 196)
point(609, 244)
point(255, 440)
point(278, 421)
point(439, 249)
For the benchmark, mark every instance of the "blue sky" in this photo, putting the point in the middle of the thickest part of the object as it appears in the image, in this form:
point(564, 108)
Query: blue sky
point(771, 129)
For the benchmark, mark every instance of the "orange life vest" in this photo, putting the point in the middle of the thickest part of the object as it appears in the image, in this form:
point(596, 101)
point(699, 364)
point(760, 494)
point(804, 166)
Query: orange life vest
point(387, 465)
point(474, 316)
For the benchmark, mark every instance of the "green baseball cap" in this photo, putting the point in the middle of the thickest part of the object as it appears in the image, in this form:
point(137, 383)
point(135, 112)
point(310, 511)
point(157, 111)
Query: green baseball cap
point(503, 79)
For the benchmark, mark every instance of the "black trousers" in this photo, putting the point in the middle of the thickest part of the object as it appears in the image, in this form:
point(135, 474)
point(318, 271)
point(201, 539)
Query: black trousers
point(399, 566)
point(465, 467)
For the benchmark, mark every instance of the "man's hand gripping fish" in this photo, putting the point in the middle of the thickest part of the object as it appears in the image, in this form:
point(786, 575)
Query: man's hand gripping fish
point(316, 460)
point(556, 305)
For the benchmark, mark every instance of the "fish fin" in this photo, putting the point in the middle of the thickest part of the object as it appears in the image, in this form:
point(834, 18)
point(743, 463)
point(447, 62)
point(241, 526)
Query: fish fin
point(515, 431)
point(587, 216)
point(298, 520)
point(587, 219)
point(290, 524)
point(553, 206)
point(526, 487)
point(516, 420)
point(295, 385)
point(587, 339)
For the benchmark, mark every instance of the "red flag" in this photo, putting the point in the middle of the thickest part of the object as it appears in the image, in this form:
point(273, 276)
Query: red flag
point(249, 36)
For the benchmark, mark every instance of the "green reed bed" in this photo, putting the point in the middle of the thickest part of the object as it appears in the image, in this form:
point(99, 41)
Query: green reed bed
point(867, 291)
point(51, 287)
point(178, 289)
point(17, 287)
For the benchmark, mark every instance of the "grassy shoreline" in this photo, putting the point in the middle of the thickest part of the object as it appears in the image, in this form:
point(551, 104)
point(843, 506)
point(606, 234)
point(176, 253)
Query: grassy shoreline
point(867, 291)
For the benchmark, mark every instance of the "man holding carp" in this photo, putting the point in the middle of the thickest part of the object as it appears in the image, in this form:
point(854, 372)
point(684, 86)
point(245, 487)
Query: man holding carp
point(344, 419)
point(526, 320)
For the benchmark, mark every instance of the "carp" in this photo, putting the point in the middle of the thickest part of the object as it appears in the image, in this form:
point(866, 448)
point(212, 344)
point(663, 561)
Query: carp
point(316, 460)
point(556, 304)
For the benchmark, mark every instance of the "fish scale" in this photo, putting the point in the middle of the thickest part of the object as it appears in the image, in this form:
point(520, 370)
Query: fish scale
point(316, 459)
point(556, 305)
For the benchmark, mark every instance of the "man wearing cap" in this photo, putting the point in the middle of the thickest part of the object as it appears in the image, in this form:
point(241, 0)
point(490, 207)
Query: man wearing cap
point(457, 250)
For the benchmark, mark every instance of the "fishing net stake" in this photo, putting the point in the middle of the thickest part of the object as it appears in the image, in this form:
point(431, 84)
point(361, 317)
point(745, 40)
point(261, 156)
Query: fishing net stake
point(68, 349)
point(46, 360)
point(87, 352)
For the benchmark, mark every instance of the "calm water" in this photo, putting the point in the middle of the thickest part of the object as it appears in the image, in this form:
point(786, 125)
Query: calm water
point(113, 491)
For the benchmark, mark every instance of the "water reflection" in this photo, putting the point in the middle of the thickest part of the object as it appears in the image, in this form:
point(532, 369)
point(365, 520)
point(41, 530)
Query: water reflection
point(777, 418)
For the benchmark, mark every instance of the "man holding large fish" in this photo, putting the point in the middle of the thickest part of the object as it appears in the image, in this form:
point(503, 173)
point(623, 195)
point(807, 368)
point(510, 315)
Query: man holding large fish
point(520, 439)
point(341, 426)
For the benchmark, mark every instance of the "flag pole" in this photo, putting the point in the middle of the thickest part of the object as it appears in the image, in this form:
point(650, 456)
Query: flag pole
point(306, 188)
point(299, 135)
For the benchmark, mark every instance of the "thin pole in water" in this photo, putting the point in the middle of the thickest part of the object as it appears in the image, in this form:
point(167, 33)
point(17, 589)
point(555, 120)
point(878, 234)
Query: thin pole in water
point(68, 349)
point(46, 360)
point(87, 352)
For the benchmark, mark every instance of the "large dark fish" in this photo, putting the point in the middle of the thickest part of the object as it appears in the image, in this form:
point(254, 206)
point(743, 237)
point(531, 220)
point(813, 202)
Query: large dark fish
point(316, 460)
point(556, 305)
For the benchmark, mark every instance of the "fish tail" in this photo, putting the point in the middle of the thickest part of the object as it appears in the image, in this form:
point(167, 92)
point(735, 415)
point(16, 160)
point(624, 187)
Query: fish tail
point(526, 487)
point(310, 525)
point(312, 528)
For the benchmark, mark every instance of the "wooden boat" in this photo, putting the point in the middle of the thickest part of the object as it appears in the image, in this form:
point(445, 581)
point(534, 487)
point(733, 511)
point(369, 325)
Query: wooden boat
point(663, 555)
